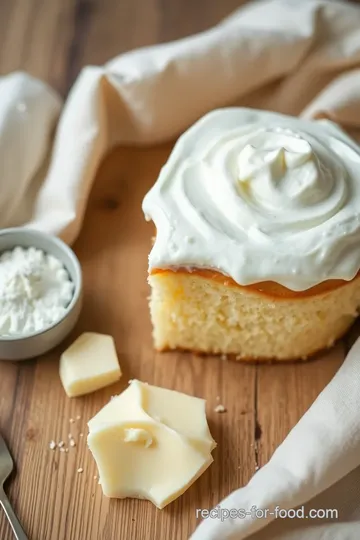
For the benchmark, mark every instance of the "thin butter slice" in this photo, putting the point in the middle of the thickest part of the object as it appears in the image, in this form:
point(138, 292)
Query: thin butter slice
point(88, 364)
point(150, 443)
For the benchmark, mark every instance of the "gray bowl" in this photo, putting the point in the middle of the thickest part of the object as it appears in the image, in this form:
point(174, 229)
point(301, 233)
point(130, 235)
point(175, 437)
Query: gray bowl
point(30, 345)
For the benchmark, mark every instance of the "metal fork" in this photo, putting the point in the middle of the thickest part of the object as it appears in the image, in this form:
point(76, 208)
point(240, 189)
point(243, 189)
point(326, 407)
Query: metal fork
point(6, 467)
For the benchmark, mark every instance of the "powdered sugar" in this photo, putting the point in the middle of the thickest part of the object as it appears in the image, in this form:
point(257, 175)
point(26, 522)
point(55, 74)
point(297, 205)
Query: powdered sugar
point(35, 290)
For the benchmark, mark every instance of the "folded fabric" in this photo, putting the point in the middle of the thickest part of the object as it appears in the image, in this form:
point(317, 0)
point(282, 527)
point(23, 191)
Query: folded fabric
point(315, 458)
point(299, 57)
point(284, 55)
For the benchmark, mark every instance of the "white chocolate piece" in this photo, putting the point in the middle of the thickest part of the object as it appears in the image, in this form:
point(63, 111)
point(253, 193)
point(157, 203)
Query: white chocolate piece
point(150, 443)
point(88, 364)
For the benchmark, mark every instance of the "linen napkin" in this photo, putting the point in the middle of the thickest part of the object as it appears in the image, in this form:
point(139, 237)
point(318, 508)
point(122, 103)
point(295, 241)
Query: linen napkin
point(318, 463)
point(293, 56)
point(299, 57)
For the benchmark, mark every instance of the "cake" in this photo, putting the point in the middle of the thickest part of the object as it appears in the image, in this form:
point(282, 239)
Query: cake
point(257, 245)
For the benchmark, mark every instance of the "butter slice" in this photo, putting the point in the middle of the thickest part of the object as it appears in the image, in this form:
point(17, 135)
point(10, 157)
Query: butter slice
point(88, 364)
point(150, 443)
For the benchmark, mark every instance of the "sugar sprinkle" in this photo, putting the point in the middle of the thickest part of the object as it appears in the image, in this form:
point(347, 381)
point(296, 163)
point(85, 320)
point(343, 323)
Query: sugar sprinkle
point(220, 409)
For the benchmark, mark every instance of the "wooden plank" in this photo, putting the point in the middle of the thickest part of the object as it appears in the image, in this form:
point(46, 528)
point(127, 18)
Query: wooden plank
point(52, 499)
point(284, 393)
point(35, 36)
point(53, 40)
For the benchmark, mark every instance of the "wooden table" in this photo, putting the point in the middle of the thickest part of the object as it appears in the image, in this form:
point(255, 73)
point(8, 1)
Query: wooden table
point(52, 40)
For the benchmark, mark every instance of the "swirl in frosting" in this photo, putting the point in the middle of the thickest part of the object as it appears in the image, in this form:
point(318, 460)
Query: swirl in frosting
point(260, 196)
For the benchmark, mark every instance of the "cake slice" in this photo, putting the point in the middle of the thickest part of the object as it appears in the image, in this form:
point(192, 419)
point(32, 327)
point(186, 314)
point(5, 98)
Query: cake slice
point(206, 312)
point(257, 248)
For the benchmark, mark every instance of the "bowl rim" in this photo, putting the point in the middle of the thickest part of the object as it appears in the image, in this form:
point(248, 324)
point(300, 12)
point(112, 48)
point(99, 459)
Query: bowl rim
point(78, 279)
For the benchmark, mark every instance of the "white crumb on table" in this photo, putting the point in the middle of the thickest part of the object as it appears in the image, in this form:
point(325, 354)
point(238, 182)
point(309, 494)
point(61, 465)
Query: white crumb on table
point(52, 445)
point(71, 420)
point(72, 442)
point(220, 408)
point(78, 417)
point(61, 444)
point(80, 470)
point(81, 435)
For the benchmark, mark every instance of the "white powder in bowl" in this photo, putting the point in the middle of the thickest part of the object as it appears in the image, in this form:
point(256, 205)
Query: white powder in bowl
point(35, 290)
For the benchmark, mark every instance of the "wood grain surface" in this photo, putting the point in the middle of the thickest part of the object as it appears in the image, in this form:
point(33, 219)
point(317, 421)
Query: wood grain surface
point(52, 39)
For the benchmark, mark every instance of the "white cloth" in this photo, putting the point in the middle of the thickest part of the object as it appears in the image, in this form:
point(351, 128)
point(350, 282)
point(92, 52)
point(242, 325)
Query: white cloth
point(312, 465)
point(299, 57)
point(294, 56)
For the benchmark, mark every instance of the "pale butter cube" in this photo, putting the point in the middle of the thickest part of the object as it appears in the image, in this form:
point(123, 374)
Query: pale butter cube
point(150, 443)
point(88, 364)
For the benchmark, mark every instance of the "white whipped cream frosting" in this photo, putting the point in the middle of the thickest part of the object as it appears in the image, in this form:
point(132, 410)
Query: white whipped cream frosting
point(259, 196)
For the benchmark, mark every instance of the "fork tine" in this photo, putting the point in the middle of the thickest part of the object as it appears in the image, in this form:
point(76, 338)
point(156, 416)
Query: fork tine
point(6, 461)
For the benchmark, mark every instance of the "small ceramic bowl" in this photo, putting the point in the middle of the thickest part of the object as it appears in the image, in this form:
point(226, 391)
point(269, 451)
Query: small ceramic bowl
point(30, 345)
